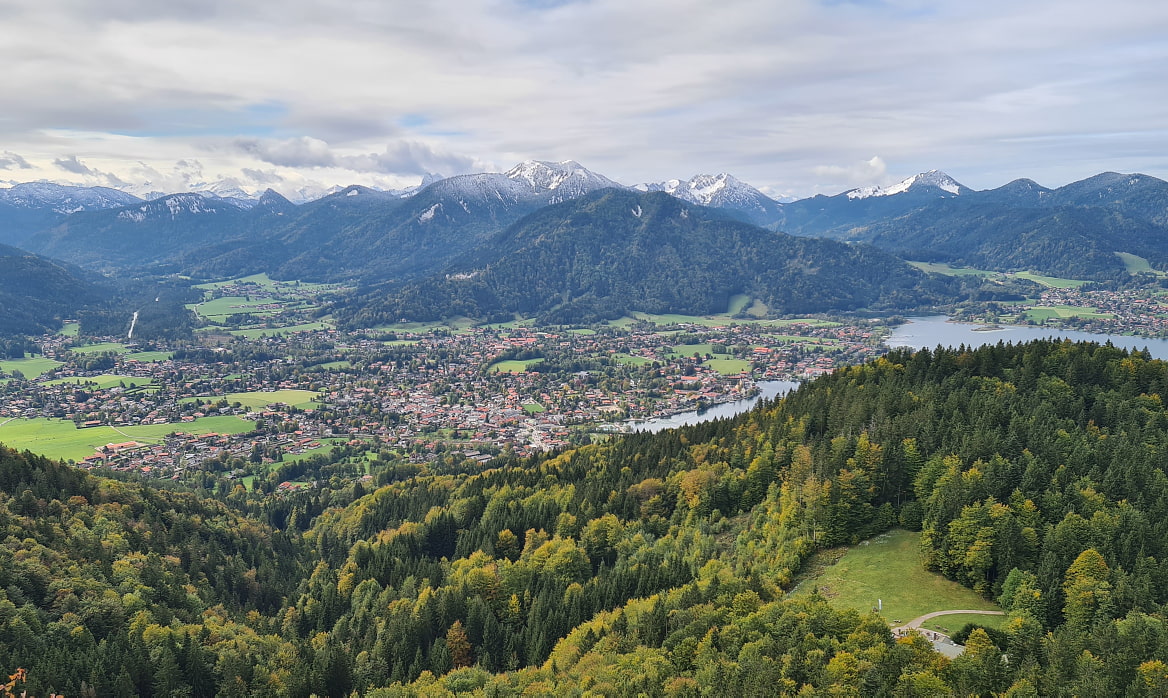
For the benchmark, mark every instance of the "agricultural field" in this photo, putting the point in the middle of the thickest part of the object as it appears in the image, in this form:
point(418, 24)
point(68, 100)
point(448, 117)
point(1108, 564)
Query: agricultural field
point(59, 438)
point(148, 357)
point(257, 332)
point(728, 367)
point(512, 366)
point(302, 399)
point(104, 381)
point(1063, 311)
point(1050, 281)
point(69, 329)
point(941, 268)
point(31, 367)
point(1138, 265)
point(102, 348)
point(888, 567)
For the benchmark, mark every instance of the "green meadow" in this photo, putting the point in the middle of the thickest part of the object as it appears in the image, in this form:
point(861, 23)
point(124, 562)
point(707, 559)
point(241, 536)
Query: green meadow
point(59, 438)
point(512, 366)
point(888, 568)
point(102, 348)
point(106, 380)
point(31, 367)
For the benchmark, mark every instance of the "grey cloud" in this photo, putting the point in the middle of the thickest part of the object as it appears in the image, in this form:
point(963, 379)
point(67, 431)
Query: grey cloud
point(410, 158)
point(262, 176)
point(399, 158)
point(72, 164)
point(292, 152)
point(11, 161)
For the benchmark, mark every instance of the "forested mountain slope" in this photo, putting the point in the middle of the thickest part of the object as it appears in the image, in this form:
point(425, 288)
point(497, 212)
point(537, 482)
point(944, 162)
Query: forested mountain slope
point(37, 293)
point(658, 563)
point(614, 251)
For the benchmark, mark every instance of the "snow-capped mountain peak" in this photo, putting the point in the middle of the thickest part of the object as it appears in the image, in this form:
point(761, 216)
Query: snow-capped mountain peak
point(933, 178)
point(550, 176)
point(64, 199)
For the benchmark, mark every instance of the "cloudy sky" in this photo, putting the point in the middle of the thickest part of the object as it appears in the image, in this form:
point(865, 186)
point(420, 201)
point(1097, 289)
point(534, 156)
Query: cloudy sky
point(794, 96)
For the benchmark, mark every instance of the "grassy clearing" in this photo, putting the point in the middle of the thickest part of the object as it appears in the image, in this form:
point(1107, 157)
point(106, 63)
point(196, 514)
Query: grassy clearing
point(59, 438)
point(888, 567)
point(582, 331)
point(267, 283)
point(738, 303)
point(148, 357)
point(632, 360)
point(940, 268)
point(1063, 311)
point(104, 381)
point(69, 329)
point(534, 408)
point(1051, 281)
point(688, 350)
point(334, 365)
point(512, 366)
point(102, 348)
point(257, 332)
point(728, 367)
point(230, 305)
point(258, 400)
point(1138, 265)
point(31, 367)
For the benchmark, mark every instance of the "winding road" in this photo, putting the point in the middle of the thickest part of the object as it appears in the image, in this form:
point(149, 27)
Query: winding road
point(916, 622)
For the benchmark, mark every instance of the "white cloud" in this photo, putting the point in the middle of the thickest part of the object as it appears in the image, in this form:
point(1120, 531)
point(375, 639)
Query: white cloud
point(783, 93)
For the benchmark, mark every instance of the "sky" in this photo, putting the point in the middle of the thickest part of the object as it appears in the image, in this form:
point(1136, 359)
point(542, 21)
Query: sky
point(796, 97)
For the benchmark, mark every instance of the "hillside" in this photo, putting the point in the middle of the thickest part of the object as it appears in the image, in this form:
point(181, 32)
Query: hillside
point(1073, 231)
point(613, 252)
point(36, 293)
point(650, 563)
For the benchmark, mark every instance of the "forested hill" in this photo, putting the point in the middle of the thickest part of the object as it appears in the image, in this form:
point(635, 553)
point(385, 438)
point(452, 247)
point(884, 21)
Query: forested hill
point(37, 293)
point(658, 563)
point(612, 252)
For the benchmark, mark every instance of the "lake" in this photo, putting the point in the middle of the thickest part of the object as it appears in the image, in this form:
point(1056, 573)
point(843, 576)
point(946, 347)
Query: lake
point(769, 389)
point(930, 332)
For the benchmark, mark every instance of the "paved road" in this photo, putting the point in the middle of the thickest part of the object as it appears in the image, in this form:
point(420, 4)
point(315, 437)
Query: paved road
point(916, 622)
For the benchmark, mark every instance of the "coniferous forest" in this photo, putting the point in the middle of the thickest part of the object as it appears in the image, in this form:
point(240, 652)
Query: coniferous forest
point(649, 564)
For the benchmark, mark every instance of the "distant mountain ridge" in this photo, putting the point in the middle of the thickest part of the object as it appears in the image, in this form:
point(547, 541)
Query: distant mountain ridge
point(1075, 230)
point(615, 251)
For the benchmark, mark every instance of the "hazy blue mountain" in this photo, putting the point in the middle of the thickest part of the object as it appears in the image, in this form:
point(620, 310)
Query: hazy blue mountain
point(32, 206)
point(616, 251)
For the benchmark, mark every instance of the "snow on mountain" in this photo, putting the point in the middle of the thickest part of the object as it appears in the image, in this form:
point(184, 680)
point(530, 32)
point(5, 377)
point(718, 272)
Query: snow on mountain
point(532, 181)
point(933, 178)
point(709, 190)
point(64, 199)
point(720, 191)
point(174, 206)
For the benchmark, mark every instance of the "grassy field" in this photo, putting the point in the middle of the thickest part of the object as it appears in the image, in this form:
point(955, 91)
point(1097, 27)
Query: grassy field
point(939, 268)
point(534, 408)
point(512, 366)
point(738, 303)
point(688, 350)
point(1063, 311)
point(1137, 265)
point(103, 348)
point(258, 400)
point(1051, 281)
point(270, 331)
point(147, 357)
point(106, 380)
point(888, 567)
point(728, 367)
point(631, 360)
point(31, 367)
point(58, 438)
point(69, 329)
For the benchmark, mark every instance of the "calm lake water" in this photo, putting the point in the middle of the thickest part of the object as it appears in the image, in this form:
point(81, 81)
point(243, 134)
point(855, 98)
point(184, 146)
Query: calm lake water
point(769, 390)
point(929, 332)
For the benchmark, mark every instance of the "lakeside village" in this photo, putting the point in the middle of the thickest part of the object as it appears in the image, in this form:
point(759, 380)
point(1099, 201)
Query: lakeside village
point(170, 412)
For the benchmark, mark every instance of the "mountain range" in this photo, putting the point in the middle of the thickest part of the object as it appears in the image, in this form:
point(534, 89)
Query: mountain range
point(435, 234)
point(612, 252)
